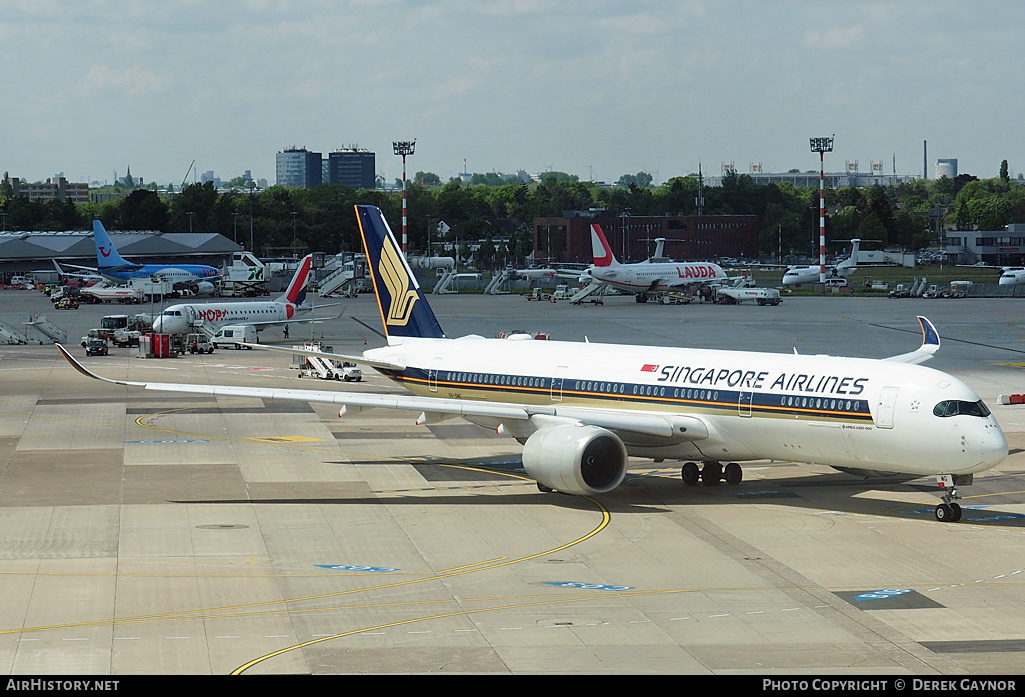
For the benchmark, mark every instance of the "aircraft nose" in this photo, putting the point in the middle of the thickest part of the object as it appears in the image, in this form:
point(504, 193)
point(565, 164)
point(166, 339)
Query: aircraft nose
point(994, 446)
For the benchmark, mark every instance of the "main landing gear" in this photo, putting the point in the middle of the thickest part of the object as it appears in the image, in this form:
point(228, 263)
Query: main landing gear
point(711, 473)
point(949, 511)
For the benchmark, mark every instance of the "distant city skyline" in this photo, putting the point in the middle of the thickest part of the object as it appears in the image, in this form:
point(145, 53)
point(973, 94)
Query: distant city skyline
point(597, 89)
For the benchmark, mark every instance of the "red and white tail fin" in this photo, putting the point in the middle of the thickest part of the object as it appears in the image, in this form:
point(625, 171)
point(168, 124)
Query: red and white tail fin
point(600, 249)
point(295, 293)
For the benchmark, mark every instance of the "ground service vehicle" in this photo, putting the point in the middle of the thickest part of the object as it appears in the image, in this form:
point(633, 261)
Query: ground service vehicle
point(198, 343)
point(96, 347)
point(235, 335)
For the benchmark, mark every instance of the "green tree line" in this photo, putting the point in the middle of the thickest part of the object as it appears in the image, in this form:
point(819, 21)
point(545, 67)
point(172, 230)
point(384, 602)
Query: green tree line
point(280, 221)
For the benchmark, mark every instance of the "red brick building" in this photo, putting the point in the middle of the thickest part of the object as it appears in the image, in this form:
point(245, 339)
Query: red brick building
point(632, 238)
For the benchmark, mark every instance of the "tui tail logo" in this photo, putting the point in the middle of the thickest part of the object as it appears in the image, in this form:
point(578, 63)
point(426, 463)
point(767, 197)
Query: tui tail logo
point(105, 252)
point(396, 279)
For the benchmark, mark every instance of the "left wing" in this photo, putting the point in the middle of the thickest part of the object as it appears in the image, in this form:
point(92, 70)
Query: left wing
point(388, 365)
point(646, 424)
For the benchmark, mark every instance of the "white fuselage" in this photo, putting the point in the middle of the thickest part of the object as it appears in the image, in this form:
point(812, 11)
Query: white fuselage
point(657, 277)
point(113, 293)
point(842, 412)
point(1012, 277)
point(799, 275)
point(182, 318)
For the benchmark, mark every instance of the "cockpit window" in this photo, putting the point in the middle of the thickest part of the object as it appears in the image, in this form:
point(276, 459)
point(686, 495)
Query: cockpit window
point(954, 407)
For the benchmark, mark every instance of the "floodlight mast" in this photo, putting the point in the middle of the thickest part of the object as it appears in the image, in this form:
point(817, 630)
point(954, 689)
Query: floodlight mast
point(403, 148)
point(822, 146)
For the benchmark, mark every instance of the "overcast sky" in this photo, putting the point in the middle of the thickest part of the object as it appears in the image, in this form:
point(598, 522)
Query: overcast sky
point(597, 88)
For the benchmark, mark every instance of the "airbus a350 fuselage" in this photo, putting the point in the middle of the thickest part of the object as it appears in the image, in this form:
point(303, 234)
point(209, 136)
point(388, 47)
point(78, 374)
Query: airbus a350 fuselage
point(722, 405)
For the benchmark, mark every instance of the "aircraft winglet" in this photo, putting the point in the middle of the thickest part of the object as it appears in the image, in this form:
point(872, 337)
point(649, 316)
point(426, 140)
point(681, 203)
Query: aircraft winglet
point(88, 373)
point(930, 345)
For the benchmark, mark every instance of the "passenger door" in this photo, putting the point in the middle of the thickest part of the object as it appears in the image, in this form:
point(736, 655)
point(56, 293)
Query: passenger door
point(885, 407)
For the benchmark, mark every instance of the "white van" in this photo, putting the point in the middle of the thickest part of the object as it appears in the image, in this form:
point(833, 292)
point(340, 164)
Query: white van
point(235, 335)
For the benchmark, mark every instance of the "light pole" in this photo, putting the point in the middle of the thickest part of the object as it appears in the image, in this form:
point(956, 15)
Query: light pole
point(294, 213)
point(190, 214)
point(234, 234)
point(403, 148)
point(822, 146)
point(251, 247)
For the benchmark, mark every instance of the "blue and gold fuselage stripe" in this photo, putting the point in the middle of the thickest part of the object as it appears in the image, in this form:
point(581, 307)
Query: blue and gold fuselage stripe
point(548, 390)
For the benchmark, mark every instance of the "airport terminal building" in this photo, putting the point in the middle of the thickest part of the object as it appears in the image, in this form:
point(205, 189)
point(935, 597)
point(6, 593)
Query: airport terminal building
point(995, 247)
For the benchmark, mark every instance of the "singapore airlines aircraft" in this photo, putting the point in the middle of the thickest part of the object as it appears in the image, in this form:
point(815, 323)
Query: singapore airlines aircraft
point(581, 409)
point(110, 264)
point(178, 319)
point(647, 276)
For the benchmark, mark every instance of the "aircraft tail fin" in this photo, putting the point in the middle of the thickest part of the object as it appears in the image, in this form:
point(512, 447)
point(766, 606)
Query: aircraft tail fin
point(600, 249)
point(295, 293)
point(852, 261)
point(106, 253)
point(930, 345)
point(404, 309)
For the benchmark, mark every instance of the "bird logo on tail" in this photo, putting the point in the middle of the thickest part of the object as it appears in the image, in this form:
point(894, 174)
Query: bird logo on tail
point(396, 279)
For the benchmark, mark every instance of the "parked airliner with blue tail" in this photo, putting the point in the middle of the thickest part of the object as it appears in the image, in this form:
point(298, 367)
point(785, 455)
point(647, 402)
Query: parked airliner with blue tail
point(199, 278)
point(582, 409)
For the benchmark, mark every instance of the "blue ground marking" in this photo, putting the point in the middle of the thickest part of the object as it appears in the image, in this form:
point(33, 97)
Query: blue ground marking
point(355, 567)
point(588, 586)
point(883, 594)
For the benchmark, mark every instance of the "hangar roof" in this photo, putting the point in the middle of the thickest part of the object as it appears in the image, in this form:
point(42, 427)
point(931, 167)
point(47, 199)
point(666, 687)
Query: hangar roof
point(134, 245)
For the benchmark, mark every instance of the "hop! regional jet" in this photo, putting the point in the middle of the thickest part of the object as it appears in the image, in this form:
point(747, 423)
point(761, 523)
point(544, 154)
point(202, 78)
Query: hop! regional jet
point(181, 318)
point(581, 409)
point(647, 276)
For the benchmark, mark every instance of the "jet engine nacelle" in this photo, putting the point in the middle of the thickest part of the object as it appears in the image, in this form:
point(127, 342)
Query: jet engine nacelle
point(196, 287)
point(583, 460)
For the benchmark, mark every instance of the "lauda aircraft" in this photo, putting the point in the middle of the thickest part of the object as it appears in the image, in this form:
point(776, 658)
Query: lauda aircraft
point(581, 409)
point(181, 318)
point(647, 276)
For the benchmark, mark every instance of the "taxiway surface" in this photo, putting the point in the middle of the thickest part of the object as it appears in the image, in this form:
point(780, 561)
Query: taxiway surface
point(180, 534)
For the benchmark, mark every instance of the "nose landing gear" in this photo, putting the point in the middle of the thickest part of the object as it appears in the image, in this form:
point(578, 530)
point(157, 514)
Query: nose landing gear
point(949, 511)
